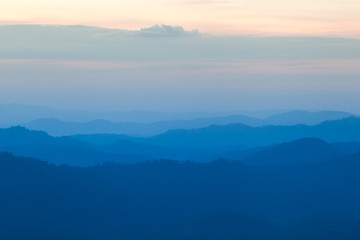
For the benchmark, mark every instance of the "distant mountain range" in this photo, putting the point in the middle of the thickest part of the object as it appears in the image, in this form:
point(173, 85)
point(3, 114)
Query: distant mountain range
point(265, 144)
point(14, 114)
point(219, 182)
point(56, 127)
point(79, 152)
point(58, 150)
point(343, 130)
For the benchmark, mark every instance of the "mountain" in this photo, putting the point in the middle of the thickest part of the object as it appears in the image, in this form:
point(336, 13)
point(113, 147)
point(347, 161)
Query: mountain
point(79, 151)
point(102, 139)
point(56, 127)
point(342, 130)
point(239, 154)
point(173, 200)
point(302, 151)
point(58, 150)
point(347, 147)
point(15, 114)
point(22, 136)
point(175, 153)
point(304, 117)
point(85, 150)
point(236, 141)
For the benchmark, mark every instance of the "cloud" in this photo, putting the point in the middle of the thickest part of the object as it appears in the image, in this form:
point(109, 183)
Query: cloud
point(166, 31)
point(157, 31)
point(162, 43)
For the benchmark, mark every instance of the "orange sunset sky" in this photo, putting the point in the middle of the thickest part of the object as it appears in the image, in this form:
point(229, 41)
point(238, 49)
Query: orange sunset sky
point(220, 17)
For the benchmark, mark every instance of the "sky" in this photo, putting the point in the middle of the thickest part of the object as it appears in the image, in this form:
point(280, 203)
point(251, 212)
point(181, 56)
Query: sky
point(195, 55)
point(230, 17)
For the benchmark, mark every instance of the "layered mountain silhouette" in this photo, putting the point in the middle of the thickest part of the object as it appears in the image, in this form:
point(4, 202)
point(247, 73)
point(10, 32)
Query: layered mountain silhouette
point(302, 151)
point(57, 127)
point(304, 117)
point(80, 151)
point(85, 150)
point(21, 114)
point(58, 150)
point(347, 129)
point(173, 200)
point(218, 182)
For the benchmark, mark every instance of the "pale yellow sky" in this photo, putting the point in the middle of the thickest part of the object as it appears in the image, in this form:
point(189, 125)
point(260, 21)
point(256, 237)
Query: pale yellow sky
point(230, 17)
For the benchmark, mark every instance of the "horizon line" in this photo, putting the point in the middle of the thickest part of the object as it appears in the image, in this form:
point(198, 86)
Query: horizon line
point(254, 35)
